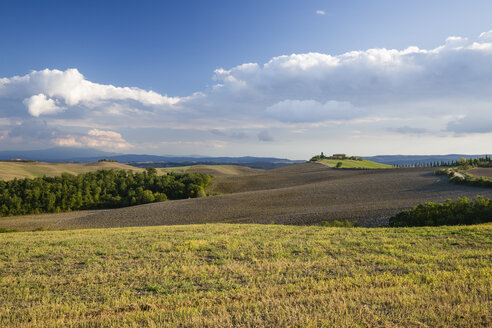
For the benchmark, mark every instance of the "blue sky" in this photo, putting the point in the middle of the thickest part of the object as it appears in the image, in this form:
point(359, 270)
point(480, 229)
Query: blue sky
point(195, 95)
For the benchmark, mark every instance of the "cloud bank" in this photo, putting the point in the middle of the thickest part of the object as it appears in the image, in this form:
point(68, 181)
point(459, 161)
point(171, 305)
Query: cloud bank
point(443, 92)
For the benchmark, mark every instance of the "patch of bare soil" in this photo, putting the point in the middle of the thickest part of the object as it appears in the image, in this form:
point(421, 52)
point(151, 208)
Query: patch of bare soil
point(482, 172)
point(299, 194)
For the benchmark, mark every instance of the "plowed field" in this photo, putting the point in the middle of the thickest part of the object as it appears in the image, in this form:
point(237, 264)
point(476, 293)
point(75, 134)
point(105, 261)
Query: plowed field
point(299, 194)
point(482, 172)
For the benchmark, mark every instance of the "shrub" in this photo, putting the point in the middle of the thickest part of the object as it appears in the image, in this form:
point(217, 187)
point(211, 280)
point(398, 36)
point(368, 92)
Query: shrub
point(339, 165)
point(461, 211)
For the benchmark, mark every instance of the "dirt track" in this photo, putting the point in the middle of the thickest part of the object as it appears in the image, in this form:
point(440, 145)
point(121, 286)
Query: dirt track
point(298, 194)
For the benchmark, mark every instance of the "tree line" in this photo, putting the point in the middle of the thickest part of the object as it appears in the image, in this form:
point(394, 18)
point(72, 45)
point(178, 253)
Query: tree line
point(461, 211)
point(462, 163)
point(321, 156)
point(95, 190)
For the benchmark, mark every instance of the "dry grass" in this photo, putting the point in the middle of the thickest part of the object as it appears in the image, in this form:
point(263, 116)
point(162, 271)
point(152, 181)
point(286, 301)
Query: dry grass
point(354, 164)
point(215, 170)
point(11, 170)
point(247, 276)
point(299, 194)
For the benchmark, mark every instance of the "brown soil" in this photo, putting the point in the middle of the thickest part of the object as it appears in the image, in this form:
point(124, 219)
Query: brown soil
point(482, 172)
point(299, 194)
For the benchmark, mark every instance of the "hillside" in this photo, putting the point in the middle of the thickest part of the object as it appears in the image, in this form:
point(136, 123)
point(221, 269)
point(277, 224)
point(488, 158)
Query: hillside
point(354, 164)
point(247, 275)
point(481, 172)
point(299, 194)
point(11, 170)
point(215, 170)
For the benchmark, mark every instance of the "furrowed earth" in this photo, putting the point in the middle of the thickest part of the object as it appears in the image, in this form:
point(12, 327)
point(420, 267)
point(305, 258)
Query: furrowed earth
point(300, 194)
point(481, 172)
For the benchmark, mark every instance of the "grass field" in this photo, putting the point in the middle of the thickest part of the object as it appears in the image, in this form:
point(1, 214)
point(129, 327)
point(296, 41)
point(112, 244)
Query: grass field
point(11, 170)
point(247, 275)
point(354, 164)
point(215, 170)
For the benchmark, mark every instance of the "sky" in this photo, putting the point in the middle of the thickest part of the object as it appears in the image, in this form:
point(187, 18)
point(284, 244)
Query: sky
point(247, 78)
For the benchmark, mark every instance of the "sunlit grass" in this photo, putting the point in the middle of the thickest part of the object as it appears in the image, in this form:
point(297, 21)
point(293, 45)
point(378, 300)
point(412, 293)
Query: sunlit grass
point(354, 164)
point(247, 275)
point(20, 170)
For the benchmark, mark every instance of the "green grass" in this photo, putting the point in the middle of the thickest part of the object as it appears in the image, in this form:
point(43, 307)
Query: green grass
point(214, 170)
point(247, 275)
point(174, 169)
point(354, 164)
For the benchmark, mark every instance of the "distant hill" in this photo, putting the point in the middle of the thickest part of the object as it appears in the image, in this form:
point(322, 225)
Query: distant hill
point(87, 155)
point(56, 154)
point(417, 159)
point(10, 170)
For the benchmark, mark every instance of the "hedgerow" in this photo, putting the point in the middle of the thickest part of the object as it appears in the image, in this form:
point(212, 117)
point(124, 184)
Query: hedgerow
point(459, 212)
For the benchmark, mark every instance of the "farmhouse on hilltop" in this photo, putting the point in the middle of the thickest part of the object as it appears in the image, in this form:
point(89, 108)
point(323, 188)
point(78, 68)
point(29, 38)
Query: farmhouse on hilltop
point(339, 156)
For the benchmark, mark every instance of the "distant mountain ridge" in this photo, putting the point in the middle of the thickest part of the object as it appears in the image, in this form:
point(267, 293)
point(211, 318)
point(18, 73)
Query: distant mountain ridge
point(53, 155)
point(63, 154)
point(84, 155)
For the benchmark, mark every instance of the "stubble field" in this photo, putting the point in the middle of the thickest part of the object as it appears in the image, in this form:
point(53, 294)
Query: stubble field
point(223, 275)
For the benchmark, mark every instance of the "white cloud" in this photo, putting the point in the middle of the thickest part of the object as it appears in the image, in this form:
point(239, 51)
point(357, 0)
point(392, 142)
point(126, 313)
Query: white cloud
point(41, 91)
point(486, 36)
point(40, 105)
point(375, 91)
point(320, 12)
point(101, 139)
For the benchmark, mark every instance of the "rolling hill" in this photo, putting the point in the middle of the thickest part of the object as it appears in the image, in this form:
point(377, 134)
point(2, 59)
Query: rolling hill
point(11, 169)
point(298, 194)
point(214, 170)
point(354, 164)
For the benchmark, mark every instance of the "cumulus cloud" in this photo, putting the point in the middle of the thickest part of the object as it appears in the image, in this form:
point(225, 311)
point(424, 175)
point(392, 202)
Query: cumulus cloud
point(459, 68)
point(40, 104)
point(38, 133)
point(320, 12)
point(41, 91)
point(101, 139)
point(374, 91)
